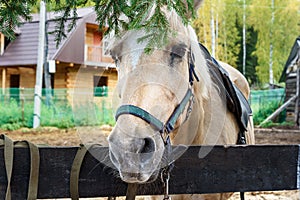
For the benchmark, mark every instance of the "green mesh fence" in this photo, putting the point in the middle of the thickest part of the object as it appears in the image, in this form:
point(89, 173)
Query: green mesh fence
point(259, 98)
point(265, 102)
point(17, 105)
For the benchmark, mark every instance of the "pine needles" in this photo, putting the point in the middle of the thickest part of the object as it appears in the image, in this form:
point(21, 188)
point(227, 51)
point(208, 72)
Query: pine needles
point(112, 15)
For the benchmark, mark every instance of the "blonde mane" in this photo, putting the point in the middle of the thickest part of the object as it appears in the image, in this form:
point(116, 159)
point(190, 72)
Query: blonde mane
point(177, 25)
point(200, 62)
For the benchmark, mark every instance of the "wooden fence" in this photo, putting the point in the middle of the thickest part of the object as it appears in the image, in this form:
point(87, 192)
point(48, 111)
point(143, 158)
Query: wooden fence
point(224, 169)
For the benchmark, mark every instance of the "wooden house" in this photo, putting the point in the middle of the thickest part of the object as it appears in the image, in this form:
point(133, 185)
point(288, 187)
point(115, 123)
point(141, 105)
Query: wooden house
point(80, 60)
point(291, 77)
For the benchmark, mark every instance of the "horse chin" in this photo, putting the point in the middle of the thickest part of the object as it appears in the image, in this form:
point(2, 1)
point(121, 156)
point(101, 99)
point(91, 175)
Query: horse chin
point(139, 178)
point(134, 172)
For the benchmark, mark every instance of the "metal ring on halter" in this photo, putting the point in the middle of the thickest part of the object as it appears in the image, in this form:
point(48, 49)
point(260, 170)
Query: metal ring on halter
point(165, 177)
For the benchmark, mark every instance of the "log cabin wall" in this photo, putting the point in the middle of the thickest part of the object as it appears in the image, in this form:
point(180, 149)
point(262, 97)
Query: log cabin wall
point(80, 83)
point(66, 78)
point(290, 91)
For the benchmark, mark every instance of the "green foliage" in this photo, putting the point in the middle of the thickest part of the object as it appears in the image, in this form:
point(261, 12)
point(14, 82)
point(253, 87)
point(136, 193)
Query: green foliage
point(118, 15)
point(266, 111)
point(281, 34)
point(227, 18)
point(251, 59)
point(148, 16)
point(12, 116)
point(269, 124)
point(90, 114)
point(58, 116)
point(224, 18)
point(11, 15)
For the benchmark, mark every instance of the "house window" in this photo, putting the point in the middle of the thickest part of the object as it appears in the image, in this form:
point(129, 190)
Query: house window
point(100, 86)
point(15, 87)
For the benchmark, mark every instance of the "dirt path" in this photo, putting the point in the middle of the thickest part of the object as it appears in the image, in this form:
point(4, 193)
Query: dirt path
point(73, 137)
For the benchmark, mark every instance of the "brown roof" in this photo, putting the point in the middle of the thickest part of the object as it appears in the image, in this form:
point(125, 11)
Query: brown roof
point(23, 50)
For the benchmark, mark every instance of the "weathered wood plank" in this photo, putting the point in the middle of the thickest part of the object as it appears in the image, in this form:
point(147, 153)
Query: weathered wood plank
point(224, 169)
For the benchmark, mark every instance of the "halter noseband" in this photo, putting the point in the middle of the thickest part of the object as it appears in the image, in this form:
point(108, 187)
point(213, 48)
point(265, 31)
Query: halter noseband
point(169, 126)
point(166, 128)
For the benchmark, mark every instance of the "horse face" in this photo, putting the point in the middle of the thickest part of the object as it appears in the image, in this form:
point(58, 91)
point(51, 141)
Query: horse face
point(156, 83)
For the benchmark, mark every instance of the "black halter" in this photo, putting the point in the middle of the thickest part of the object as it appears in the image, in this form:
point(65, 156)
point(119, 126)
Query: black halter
point(168, 127)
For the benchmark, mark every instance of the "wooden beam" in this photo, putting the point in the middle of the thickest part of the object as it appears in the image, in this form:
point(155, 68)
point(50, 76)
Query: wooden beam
point(2, 43)
point(297, 100)
point(3, 80)
point(224, 169)
point(279, 110)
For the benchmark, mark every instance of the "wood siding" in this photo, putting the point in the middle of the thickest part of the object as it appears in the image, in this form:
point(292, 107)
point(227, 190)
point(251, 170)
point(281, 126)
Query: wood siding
point(69, 82)
point(80, 83)
point(290, 91)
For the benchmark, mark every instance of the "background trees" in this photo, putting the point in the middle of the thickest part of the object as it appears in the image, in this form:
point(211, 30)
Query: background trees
point(268, 41)
point(271, 26)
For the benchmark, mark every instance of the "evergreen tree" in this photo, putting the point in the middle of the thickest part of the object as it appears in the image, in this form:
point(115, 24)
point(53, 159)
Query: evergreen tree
point(251, 58)
point(12, 13)
point(136, 15)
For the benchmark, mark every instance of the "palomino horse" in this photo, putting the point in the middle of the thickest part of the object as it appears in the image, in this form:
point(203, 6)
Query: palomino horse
point(164, 101)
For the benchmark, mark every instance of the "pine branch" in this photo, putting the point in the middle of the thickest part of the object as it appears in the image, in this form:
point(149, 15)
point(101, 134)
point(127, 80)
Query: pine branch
point(12, 13)
point(139, 17)
point(116, 15)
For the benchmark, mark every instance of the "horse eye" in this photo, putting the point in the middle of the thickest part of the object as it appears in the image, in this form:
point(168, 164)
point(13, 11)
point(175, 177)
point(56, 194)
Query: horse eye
point(178, 50)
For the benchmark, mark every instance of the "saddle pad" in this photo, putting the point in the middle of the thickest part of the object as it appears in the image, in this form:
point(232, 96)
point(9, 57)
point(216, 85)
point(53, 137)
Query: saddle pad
point(236, 101)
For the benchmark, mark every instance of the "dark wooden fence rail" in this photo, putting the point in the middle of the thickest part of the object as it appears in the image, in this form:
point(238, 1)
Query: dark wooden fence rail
point(224, 169)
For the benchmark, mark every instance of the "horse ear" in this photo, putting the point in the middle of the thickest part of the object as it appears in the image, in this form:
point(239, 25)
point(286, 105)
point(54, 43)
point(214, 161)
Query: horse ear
point(197, 4)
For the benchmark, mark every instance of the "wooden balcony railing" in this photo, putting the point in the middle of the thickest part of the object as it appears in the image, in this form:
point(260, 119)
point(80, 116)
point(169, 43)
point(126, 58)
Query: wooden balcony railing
point(96, 54)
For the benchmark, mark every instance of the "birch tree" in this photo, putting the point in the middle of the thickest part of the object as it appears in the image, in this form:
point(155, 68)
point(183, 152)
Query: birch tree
point(284, 28)
point(226, 43)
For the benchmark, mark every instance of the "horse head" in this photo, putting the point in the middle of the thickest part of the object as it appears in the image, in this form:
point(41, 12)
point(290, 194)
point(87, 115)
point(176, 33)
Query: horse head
point(156, 96)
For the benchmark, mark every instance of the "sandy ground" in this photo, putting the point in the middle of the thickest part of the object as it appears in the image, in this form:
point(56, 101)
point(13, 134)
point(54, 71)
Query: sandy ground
point(73, 137)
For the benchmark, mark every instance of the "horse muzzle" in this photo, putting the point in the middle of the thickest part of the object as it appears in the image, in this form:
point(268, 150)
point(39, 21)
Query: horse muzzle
point(136, 159)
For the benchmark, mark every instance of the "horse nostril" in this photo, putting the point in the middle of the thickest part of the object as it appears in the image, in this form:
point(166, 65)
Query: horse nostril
point(149, 146)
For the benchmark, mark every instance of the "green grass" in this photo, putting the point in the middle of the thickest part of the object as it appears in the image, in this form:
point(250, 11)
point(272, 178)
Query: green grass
point(266, 110)
point(14, 115)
